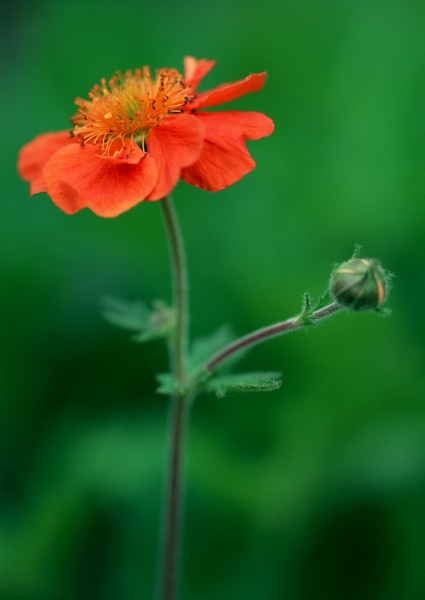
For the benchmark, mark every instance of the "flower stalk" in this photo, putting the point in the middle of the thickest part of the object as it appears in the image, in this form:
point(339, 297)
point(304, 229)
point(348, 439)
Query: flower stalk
point(179, 409)
point(180, 289)
point(260, 335)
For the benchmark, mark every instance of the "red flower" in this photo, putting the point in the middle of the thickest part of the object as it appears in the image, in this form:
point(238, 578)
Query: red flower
point(137, 135)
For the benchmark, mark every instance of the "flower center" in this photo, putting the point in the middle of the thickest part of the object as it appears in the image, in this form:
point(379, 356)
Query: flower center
point(120, 112)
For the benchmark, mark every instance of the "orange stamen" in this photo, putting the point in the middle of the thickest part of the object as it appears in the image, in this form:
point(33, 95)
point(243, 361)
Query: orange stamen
point(120, 112)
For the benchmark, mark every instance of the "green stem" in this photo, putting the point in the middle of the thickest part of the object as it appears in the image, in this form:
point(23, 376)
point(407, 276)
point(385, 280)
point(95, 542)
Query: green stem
point(265, 333)
point(179, 408)
point(178, 259)
point(171, 526)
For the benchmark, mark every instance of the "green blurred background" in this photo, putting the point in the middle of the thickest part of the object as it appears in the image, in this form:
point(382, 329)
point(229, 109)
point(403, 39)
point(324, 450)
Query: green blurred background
point(313, 492)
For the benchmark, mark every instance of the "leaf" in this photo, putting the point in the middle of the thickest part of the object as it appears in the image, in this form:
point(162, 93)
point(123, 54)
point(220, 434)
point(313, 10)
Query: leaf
point(168, 385)
point(128, 315)
point(160, 324)
point(383, 311)
point(357, 251)
point(307, 304)
point(324, 299)
point(221, 385)
point(306, 317)
point(203, 348)
point(135, 316)
point(244, 382)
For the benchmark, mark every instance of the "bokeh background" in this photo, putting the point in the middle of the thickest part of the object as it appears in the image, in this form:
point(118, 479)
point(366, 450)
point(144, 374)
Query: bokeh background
point(313, 492)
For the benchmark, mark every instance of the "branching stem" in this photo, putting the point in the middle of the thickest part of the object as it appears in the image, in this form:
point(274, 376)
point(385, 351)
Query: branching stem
point(180, 401)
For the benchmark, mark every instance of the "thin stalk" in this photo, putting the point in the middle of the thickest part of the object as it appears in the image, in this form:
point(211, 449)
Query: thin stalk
point(180, 288)
point(179, 408)
point(171, 522)
point(265, 333)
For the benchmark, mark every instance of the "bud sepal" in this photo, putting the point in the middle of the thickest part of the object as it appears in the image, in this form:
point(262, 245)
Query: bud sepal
point(359, 284)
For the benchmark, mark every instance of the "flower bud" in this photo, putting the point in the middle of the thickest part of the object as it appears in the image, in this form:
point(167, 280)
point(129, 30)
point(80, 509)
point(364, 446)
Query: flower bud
point(359, 284)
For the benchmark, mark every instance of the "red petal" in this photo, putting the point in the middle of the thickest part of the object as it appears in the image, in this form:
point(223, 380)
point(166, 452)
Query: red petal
point(34, 155)
point(224, 158)
point(229, 91)
point(175, 144)
point(195, 70)
point(77, 177)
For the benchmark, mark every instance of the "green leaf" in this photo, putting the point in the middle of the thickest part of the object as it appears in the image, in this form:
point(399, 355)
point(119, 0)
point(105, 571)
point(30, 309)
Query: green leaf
point(307, 303)
point(357, 251)
point(305, 317)
point(128, 315)
point(169, 385)
point(244, 382)
point(203, 348)
point(383, 311)
point(160, 324)
point(147, 324)
point(324, 299)
point(221, 385)
point(308, 307)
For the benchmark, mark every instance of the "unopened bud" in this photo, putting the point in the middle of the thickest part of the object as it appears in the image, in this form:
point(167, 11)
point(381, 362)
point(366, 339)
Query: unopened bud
point(359, 284)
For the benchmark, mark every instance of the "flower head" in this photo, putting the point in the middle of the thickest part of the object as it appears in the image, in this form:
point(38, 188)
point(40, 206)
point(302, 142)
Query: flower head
point(120, 113)
point(137, 134)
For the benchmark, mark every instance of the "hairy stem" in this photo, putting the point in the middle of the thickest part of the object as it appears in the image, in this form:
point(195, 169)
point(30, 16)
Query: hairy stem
point(178, 259)
point(260, 335)
point(179, 408)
